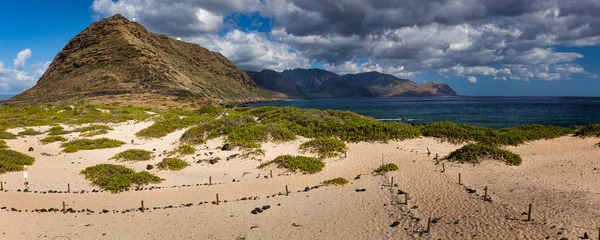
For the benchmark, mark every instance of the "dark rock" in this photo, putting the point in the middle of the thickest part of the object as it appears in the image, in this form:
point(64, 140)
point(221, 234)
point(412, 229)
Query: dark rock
point(254, 211)
point(149, 167)
point(306, 189)
point(104, 211)
point(585, 236)
point(395, 224)
point(226, 147)
point(360, 190)
point(213, 161)
point(31, 149)
point(357, 177)
point(265, 207)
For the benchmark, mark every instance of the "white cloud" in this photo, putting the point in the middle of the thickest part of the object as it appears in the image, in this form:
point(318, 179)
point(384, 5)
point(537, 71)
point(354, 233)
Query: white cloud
point(472, 79)
point(14, 80)
point(21, 59)
point(351, 67)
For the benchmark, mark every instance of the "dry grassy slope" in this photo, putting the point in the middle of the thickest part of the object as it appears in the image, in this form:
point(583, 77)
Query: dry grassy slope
point(116, 56)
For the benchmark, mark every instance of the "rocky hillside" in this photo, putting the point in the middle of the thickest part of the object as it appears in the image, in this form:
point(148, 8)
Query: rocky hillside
point(318, 83)
point(117, 58)
point(274, 81)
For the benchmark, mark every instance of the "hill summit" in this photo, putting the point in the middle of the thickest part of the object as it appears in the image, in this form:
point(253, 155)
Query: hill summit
point(117, 59)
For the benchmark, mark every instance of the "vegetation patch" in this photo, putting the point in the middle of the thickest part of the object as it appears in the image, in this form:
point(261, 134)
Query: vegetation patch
point(115, 178)
point(29, 132)
point(387, 168)
point(173, 164)
point(325, 147)
point(93, 130)
point(90, 144)
point(336, 181)
point(163, 127)
point(592, 130)
point(186, 150)
point(293, 163)
point(51, 139)
point(3, 144)
point(474, 153)
point(7, 135)
point(57, 130)
point(12, 161)
point(133, 155)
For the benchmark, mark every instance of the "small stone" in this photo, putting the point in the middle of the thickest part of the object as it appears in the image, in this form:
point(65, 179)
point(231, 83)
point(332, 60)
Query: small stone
point(226, 147)
point(31, 149)
point(306, 189)
point(395, 224)
point(213, 161)
point(149, 167)
point(265, 207)
point(586, 236)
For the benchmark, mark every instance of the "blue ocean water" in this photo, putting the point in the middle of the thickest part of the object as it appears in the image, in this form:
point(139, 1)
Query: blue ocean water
point(494, 112)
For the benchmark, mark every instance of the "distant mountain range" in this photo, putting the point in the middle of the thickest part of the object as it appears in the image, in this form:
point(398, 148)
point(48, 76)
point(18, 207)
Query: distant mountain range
point(319, 83)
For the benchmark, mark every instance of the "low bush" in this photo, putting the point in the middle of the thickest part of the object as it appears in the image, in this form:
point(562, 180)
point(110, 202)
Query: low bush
point(592, 130)
point(51, 139)
point(57, 130)
point(133, 155)
point(115, 178)
point(29, 132)
point(186, 150)
point(3, 144)
point(173, 164)
point(90, 144)
point(474, 153)
point(336, 181)
point(163, 127)
point(293, 163)
point(325, 147)
point(93, 130)
point(12, 161)
point(387, 168)
point(7, 135)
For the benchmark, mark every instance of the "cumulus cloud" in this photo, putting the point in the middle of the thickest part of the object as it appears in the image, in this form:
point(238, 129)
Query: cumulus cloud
point(505, 40)
point(21, 59)
point(472, 79)
point(15, 80)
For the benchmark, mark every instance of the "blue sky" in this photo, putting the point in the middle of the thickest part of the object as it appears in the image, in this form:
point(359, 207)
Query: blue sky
point(479, 49)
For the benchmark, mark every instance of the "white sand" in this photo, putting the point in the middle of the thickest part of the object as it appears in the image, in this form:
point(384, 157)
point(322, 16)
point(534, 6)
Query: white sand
point(558, 176)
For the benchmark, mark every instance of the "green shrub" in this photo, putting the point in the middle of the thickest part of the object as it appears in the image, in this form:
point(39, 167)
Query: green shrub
point(186, 150)
point(592, 130)
point(305, 164)
point(336, 181)
point(163, 127)
point(3, 144)
point(51, 139)
point(12, 161)
point(93, 130)
point(210, 109)
point(325, 147)
point(116, 177)
point(57, 130)
point(474, 153)
point(173, 164)
point(133, 155)
point(90, 144)
point(7, 135)
point(387, 168)
point(29, 132)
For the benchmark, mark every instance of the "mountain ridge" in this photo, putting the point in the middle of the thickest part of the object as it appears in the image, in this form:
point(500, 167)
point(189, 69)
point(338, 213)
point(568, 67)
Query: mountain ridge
point(320, 83)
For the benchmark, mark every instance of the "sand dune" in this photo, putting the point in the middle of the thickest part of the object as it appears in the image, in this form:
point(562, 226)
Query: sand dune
point(560, 177)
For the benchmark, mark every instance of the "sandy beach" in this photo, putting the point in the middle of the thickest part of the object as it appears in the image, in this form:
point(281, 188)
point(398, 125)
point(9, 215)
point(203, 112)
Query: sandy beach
point(559, 177)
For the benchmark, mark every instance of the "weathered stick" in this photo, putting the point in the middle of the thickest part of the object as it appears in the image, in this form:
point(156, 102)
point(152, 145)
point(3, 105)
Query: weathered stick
point(443, 167)
point(459, 179)
point(406, 199)
point(286, 190)
point(68, 188)
point(217, 199)
point(209, 180)
point(428, 225)
point(529, 212)
point(271, 173)
point(485, 193)
point(392, 185)
point(64, 207)
point(143, 208)
point(1, 186)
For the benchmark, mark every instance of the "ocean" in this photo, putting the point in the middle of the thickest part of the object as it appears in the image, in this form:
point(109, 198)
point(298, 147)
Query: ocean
point(493, 112)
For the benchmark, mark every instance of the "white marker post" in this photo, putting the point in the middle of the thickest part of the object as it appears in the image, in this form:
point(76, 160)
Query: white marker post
point(25, 175)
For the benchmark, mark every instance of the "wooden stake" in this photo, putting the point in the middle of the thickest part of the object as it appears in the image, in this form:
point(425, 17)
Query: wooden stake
point(68, 188)
point(271, 173)
point(392, 185)
point(459, 179)
point(209, 180)
point(599, 233)
point(443, 167)
point(143, 208)
point(428, 225)
point(286, 190)
point(485, 193)
point(529, 212)
point(64, 207)
point(406, 199)
point(1, 186)
point(217, 199)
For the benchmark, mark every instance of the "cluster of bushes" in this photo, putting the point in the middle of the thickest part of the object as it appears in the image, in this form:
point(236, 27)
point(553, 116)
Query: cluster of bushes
point(93, 130)
point(473, 153)
point(115, 178)
point(173, 164)
point(12, 161)
point(57, 130)
point(29, 132)
point(186, 149)
point(3, 144)
point(6, 135)
point(325, 147)
point(592, 130)
point(51, 139)
point(90, 144)
point(308, 165)
point(336, 181)
point(390, 167)
point(133, 155)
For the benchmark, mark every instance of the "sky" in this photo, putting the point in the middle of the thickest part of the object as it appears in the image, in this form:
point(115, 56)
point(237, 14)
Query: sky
point(478, 47)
